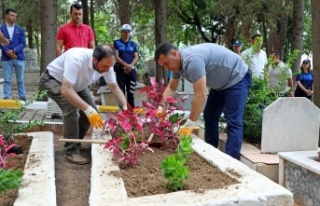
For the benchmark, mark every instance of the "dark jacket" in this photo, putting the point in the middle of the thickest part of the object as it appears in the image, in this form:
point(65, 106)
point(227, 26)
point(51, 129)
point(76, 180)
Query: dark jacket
point(17, 43)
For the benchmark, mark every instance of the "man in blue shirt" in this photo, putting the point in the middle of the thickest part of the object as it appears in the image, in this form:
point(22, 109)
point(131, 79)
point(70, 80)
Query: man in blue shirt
point(12, 54)
point(227, 76)
point(127, 57)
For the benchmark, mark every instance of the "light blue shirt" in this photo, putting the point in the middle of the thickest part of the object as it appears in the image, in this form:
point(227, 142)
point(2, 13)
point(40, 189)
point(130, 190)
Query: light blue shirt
point(222, 67)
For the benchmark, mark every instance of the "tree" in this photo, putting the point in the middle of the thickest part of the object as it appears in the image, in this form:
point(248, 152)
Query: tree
point(278, 31)
point(297, 31)
point(85, 18)
point(160, 32)
point(315, 10)
point(124, 10)
point(198, 14)
point(48, 16)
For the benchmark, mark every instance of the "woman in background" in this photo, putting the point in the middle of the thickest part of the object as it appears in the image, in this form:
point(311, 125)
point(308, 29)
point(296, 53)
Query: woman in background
point(304, 81)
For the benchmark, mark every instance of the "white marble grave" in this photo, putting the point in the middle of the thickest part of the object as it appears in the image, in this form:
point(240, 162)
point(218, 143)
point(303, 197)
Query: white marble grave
point(290, 124)
point(299, 172)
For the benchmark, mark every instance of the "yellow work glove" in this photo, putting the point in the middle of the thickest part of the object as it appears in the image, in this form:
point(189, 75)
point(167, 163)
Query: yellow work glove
point(93, 117)
point(188, 127)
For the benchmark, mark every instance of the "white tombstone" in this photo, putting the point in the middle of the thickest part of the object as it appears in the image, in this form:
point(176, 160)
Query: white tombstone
point(290, 124)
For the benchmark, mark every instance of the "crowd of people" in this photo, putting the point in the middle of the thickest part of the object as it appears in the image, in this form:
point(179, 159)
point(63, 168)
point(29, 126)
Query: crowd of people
point(80, 62)
point(279, 75)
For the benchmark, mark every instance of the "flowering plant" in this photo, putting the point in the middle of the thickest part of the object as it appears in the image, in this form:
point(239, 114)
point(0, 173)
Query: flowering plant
point(5, 151)
point(133, 129)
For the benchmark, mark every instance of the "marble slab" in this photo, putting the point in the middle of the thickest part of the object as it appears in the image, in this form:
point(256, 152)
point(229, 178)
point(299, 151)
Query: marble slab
point(290, 124)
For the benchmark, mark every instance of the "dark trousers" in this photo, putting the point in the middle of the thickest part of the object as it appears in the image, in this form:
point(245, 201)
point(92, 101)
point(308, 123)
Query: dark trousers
point(75, 122)
point(232, 100)
point(127, 83)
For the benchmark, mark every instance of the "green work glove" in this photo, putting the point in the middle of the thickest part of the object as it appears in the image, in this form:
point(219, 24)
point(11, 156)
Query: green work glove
point(93, 117)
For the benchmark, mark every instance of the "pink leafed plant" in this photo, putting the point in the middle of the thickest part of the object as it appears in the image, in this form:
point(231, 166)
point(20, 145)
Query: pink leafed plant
point(131, 129)
point(4, 151)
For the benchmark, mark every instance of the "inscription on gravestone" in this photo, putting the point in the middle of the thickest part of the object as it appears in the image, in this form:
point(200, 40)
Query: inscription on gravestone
point(31, 63)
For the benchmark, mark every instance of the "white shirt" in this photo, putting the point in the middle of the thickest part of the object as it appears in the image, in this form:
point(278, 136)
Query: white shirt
point(75, 65)
point(278, 77)
point(10, 30)
point(256, 62)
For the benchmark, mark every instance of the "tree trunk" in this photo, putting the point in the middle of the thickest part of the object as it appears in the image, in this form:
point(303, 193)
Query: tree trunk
point(125, 11)
point(278, 34)
point(85, 18)
point(160, 33)
point(92, 18)
point(48, 32)
point(297, 31)
point(315, 10)
point(30, 34)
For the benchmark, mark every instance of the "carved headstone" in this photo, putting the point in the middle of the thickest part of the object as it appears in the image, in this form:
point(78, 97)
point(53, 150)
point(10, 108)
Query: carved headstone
point(31, 62)
point(290, 124)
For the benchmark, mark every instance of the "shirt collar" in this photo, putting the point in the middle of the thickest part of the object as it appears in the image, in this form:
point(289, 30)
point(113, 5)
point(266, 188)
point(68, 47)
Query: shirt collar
point(9, 25)
point(73, 25)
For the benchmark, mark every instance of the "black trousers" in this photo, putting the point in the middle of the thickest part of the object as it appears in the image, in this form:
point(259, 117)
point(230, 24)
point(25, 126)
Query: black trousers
point(127, 83)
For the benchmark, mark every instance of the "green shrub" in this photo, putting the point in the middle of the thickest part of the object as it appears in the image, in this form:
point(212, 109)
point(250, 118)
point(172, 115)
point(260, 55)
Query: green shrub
point(10, 179)
point(258, 99)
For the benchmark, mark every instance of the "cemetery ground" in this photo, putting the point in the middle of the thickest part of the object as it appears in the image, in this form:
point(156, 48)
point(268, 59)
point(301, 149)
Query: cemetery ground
point(73, 181)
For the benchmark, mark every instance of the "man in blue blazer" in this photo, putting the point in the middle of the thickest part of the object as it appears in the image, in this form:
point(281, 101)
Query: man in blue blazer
point(12, 54)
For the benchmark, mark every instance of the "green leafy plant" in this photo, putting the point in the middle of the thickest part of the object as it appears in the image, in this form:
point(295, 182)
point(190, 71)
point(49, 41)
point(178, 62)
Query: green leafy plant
point(9, 126)
point(10, 179)
point(184, 148)
point(173, 166)
point(258, 99)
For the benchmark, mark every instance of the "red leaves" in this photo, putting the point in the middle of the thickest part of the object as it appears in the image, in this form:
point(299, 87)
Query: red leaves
point(127, 147)
point(4, 149)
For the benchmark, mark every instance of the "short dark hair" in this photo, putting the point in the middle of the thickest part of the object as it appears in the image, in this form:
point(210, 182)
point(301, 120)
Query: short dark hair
point(255, 35)
point(8, 10)
point(163, 48)
point(76, 6)
point(275, 52)
point(102, 51)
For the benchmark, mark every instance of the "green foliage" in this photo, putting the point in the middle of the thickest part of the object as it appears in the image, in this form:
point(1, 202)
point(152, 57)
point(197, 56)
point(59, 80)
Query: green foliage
point(292, 57)
point(184, 148)
point(174, 171)
point(8, 121)
point(173, 166)
point(10, 179)
point(259, 98)
point(40, 95)
point(256, 46)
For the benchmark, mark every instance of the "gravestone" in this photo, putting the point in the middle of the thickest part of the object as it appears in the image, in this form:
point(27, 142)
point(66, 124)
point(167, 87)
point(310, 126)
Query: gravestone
point(31, 63)
point(290, 124)
point(31, 71)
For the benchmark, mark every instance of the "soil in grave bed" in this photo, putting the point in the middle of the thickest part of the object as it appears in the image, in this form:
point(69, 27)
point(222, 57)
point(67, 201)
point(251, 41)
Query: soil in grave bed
point(7, 198)
point(146, 178)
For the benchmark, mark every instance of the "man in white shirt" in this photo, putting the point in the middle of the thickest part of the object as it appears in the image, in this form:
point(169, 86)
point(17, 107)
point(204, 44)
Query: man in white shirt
point(255, 57)
point(67, 79)
point(280, 76)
